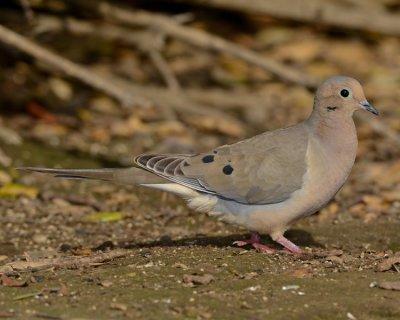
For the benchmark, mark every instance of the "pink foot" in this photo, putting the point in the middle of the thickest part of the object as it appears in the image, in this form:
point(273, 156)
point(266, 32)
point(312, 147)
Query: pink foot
point(255, 241)
point(288, 245)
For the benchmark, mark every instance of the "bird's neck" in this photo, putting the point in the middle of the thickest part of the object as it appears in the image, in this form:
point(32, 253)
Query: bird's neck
point(336, 131)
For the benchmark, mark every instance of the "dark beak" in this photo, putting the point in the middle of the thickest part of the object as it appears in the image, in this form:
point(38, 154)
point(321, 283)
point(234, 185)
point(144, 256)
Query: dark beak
point(369, 107)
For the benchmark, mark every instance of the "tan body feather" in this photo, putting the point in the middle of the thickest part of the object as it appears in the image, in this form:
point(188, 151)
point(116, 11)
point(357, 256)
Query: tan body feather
point(264, 183)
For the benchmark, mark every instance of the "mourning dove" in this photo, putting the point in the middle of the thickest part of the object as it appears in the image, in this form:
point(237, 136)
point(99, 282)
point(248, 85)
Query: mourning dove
point(267, 182)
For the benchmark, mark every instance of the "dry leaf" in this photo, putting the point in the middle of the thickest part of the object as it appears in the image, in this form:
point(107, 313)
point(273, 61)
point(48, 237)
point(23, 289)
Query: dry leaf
point(180, 265)
point(197, 279)
point(40, 112)
point(106, 283)
point(391, 195)
point(388, 263)
point(358, 210)
point(374, 202)
point(10, 282)
point(301, 273)
point(82, 251)
point(335, 259)
point(329, 212)
point(330, 253)
point(6, 314)
point(104, 216)
point(25, 265)
point(299, 52)
point(212, 124)
point(64, 290)
point(12, 190)
point(249, 275)
point(61, 88)
point(389, 285)
point(118, 306)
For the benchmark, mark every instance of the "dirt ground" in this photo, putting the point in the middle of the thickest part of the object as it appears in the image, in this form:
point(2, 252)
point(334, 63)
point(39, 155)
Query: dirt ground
point(92, 250)
point(166, 247)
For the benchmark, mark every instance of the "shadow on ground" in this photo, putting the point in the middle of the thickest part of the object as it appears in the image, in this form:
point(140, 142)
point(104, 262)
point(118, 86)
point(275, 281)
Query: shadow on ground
point(298, 236)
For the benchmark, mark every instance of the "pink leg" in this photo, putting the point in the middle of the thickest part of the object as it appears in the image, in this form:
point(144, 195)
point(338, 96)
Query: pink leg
point(255, 241)
point(289, 245)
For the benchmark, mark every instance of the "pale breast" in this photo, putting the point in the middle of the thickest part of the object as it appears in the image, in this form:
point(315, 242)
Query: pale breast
point(326, 173)
point(328, 169)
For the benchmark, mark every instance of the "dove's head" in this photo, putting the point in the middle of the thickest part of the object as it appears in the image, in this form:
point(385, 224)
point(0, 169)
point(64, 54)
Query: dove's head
point(341, 95)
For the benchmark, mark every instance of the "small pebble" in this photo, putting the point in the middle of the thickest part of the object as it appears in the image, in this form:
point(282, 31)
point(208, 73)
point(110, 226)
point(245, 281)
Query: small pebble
point(253, 288)
point(290, 287)
point(350, 316)
point(118, 306)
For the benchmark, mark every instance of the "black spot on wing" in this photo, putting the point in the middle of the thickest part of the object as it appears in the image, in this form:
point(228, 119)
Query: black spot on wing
point(227, 169)
point(207, 159)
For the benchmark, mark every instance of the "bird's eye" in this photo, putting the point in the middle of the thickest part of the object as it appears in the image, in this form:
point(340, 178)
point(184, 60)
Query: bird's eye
point(344, 93)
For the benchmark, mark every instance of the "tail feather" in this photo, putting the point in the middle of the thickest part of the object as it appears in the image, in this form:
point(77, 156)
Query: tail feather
point(119, 175)
point(98, 174)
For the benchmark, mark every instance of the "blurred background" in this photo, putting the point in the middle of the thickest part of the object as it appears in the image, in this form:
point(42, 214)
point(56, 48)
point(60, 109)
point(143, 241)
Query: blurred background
point(93, 83)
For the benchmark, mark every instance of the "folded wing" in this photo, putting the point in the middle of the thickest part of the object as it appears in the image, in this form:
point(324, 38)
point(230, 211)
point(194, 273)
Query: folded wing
point(265, 169)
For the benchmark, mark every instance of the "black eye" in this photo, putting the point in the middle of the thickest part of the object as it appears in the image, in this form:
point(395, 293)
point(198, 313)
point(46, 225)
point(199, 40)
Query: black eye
point(344, 93)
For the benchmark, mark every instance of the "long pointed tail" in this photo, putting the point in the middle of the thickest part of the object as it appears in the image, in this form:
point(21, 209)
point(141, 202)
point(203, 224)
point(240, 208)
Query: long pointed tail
point(119, 175)
point(98, 174)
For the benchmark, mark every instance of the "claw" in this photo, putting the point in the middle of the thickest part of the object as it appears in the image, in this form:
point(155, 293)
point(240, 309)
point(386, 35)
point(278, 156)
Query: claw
point(241, 243)
point(255, 241)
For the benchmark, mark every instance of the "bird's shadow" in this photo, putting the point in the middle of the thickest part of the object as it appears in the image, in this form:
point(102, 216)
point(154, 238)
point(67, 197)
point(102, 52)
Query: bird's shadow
point(298, 236)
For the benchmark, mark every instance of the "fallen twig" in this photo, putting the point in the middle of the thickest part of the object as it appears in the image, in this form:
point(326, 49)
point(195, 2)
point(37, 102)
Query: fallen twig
point(182, 103)
point(141, 39)
point(109, 86)
point(128, 94)
point(204, 40)
point(315, 11)
point(146, 41)
point(71, 262)
point(169, 26)
point(165, 70)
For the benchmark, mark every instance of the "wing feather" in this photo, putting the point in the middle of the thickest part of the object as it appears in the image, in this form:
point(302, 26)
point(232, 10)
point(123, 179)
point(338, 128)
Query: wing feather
point(265, 169)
